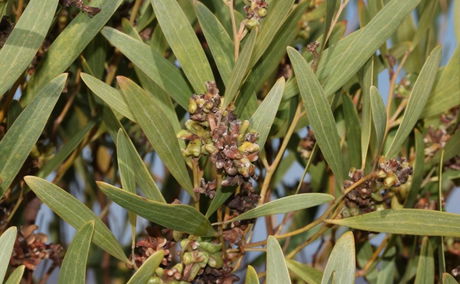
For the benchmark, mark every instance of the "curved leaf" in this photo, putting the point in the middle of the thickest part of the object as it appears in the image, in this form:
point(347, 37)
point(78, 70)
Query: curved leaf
point(340, 267)
point(277, 271)
point(178, 217)
point(16, 276)
point(73, 268)
point(152, 63)
point(448, 279)
point(7, 240)
point(24, 41)
point(184, 43)
point(405, 221)
point(25, 131)
point(148, 267)
point(319, 113)
point(218, 40)
point(72, 41)
point(417, 100)
point(75, 213)
point(262, 120)
point(157, 129)
point(286, 204)
point(251, 276)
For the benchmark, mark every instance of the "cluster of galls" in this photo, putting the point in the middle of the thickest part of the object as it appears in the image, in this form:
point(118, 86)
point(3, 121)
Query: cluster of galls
point(255, 10)
point(216, 132)
point(197, 260)
point(91, 11)
point(30, 249)
point(387, 187)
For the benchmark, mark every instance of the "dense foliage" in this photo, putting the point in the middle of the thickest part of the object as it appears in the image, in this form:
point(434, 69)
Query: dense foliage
point(167, 134)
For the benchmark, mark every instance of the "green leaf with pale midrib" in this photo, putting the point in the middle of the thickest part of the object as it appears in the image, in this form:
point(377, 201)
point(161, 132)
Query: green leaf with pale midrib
point(341, 262)
point(262, 120)
point(240, 69)
point(286, 204)
point(353, 134)
point(157, 129)
point(144, 272)
point(152, 63)
point(109, 95)
point(277, 271)
point(73, 268)
point(72, 41)
point(75, 213)
point(16, 276)
point(379, 117)
point(24, 41)
point(341, 61)
point(417, 100)
point(183, 41)
point(7, 240)
point(218, 40)
point(319, 113)
point(19, 140)
point(129, 158)
point(305, 272)
point(406, 222)
point(183, 218)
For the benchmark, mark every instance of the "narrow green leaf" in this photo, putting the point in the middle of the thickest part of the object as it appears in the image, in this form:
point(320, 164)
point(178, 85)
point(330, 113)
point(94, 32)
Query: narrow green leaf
point(109, 95)
point(305, 272)
point(218, 40)
point(222, 194)
point(184, 43)
point(240, 70)
point(278, 12)
point(24, 41)
point(405, 221)
point(353, 132)
point(446, 93)
point(26, 129)
point(75, 213)
point(286, 204)
point(341, 262)
point(72, 41)
point(251, 276)
point(277, 271)
point(419, 166)
point(448, 279)
point(379, 116)
point(7, 240)
point(386, 274)
point(16, 275)
point(65, 151)
point(425, 268)
point(319, 113)
point(341, 61)
point(148, 267)
point(73, 268)
point(330, 11)
point(417, 100)
point(157, 129)
point(179, 217)
point(152, 63)
point(135, 169)
point(367, 81)
point(262, 120)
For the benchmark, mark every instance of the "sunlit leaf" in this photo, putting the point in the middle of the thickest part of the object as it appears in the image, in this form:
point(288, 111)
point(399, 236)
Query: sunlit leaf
point(340, 266)
point(277, 271)
point(319, 113)
point(24, 41)
point(16, 276)
point(251, 276)
point(144, 272)
point(405, 221)
point(184, 43)
point(73, 268)
point(7, 240)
